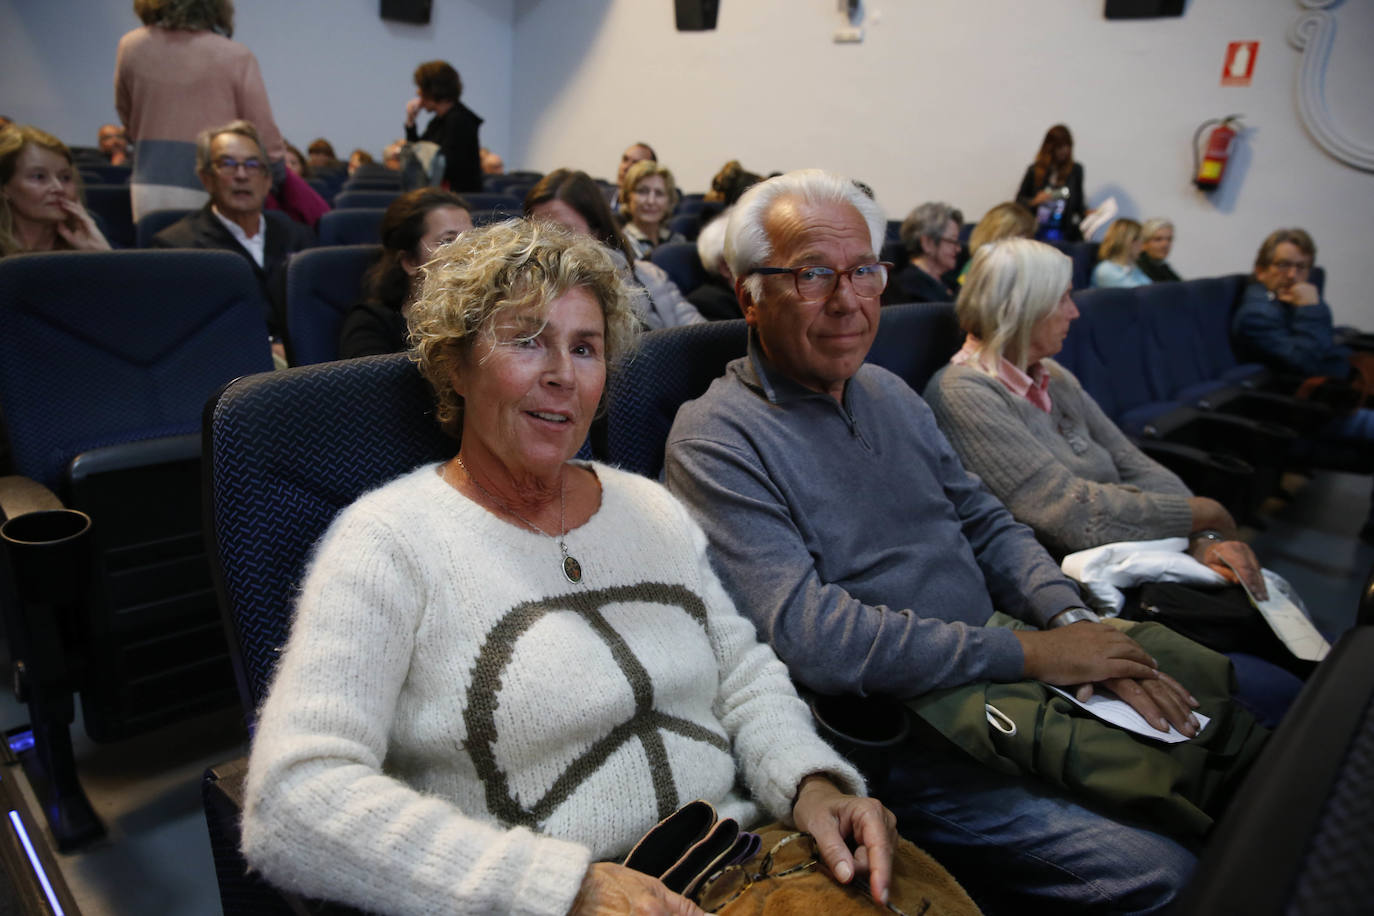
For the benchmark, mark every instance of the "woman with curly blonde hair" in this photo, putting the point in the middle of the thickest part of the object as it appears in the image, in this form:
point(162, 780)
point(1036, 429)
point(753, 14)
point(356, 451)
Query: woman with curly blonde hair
point(504, 668)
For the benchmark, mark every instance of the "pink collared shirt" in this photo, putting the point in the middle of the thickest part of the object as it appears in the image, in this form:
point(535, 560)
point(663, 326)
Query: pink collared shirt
point(1033, 386)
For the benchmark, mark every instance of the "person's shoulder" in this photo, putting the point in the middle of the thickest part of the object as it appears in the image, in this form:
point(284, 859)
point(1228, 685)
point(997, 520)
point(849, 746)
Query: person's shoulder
point(725, 404)
point(297, 235)
point(186, 232)
point(398, 499)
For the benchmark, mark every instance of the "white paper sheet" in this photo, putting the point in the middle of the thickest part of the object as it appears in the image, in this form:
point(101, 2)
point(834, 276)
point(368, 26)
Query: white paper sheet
point(1284, 613)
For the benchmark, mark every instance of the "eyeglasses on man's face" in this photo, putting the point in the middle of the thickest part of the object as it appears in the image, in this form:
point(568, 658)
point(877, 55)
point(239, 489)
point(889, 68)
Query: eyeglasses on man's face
point(228, 165)
point(815, 283)
point(1285, 265)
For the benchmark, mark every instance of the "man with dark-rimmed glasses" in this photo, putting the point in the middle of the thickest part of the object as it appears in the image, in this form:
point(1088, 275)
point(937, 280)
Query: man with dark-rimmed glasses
point(842, 523)
point(234, 168)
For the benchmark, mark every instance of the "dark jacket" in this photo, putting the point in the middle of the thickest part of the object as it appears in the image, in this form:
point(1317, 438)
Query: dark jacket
point(456, 133)
point(203, 229)
point(1158, 271)
point(370, 329)
point(1073, 212)
point(910, 283)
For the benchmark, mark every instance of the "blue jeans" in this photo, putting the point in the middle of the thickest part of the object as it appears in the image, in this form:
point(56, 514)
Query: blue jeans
point(1019, 845)
point(1263, 688)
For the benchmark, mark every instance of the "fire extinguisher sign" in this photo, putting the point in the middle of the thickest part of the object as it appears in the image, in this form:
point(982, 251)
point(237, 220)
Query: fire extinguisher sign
point(1240, 63)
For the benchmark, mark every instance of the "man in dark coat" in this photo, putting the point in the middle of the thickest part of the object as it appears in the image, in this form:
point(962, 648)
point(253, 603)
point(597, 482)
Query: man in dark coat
point(233, 167)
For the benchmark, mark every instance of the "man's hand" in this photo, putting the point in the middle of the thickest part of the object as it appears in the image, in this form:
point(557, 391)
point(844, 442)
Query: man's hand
point(1085, 654)
point(1299, 294)
point(831, 816)
point(1082, 653)
point(612, 890)
point(1162, 701)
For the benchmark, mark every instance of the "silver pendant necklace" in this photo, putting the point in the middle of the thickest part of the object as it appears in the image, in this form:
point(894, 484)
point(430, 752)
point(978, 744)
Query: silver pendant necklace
point(572, 570)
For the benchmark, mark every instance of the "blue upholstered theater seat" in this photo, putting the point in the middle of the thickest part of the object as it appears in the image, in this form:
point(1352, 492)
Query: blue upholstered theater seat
point(322, 284)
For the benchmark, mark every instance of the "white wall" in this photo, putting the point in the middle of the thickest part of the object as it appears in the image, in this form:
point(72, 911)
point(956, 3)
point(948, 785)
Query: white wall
point(949, 99)
point(333, 68)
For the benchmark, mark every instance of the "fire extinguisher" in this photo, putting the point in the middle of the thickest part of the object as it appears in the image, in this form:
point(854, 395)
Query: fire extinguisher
point(1207, 172)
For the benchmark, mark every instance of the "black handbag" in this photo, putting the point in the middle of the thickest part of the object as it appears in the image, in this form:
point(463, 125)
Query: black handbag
point(1222, 619)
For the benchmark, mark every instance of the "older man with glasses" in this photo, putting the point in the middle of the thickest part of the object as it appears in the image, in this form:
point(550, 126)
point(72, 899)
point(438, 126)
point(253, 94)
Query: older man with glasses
point(233, 166)
point(840, 520)
point(1284, 323)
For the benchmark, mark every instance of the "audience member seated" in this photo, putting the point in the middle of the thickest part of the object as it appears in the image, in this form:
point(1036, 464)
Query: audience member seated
point(1283, 322)
point(359, 158)
point(492, 164)
point(839, 519)
point(391, 155)
point(573, 200)
point(454, 126)
point(1023, 424)
point(634, 153)
point(1154, 256)
point(216, 81)
point(232, 164)
point(114, 143)
point(297, 162)
point(1120, 251)
point(1007, 220)
point(1052, 188)
point(40, 207)
point(716, 297)
point(479, 626)
point(930, 234)
point(322, 155)
point(6, 121)
point(648, 196)
point(730, 182)
point(414, 227)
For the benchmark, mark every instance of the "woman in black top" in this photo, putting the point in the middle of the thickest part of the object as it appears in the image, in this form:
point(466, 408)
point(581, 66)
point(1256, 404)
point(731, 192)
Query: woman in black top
point(1053, 187)
point(416, 223)
point(1159, 241)
point(454, 125)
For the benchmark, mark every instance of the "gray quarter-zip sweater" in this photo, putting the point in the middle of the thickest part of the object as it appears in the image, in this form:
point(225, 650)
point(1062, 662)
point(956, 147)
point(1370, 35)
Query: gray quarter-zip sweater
point(853, 537)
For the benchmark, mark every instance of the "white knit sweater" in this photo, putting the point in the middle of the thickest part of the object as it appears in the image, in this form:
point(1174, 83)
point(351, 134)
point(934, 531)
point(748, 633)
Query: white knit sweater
point(453, 727)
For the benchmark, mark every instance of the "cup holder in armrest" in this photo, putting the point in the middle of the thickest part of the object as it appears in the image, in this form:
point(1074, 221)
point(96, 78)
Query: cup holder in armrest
point(865, 730)
point(49, 556)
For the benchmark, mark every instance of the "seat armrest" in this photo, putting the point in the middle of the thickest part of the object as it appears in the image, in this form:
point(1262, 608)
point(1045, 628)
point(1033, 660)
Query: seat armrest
point(22, 495)
point(140, 453)
point(1301, 415)
point(1213, 432)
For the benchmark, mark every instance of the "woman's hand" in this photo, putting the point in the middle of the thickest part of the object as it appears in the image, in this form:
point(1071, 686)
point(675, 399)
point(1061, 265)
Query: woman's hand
point(831, 817)
point(412, 109)
point(1235, 561)
point(1040, 198)
point(79, 230)
point(610, 889)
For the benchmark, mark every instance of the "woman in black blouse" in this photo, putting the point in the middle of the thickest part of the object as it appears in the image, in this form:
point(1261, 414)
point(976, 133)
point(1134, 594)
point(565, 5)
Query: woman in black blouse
point(414, 226)
point(1053, 187)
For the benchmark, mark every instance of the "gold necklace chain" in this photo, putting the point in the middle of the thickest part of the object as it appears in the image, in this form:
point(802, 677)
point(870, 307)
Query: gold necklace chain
point(572, 570)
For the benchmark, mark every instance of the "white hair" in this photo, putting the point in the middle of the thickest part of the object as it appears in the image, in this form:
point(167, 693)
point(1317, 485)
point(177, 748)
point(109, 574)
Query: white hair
point(1151, 226)
point(711, 242)
point(1011, 284)
point(746, 240)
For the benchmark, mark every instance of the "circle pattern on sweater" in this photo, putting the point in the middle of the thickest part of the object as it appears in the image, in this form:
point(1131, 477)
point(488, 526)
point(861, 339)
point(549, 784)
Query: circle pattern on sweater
point(646, 724)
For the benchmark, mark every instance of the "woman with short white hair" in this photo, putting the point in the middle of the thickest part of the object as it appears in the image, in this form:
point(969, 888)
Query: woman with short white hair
point(1158, 236)
point(930, 234)
point(1025, 426)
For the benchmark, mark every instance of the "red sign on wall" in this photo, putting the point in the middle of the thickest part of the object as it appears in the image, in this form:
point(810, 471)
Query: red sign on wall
point(1240, 63)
